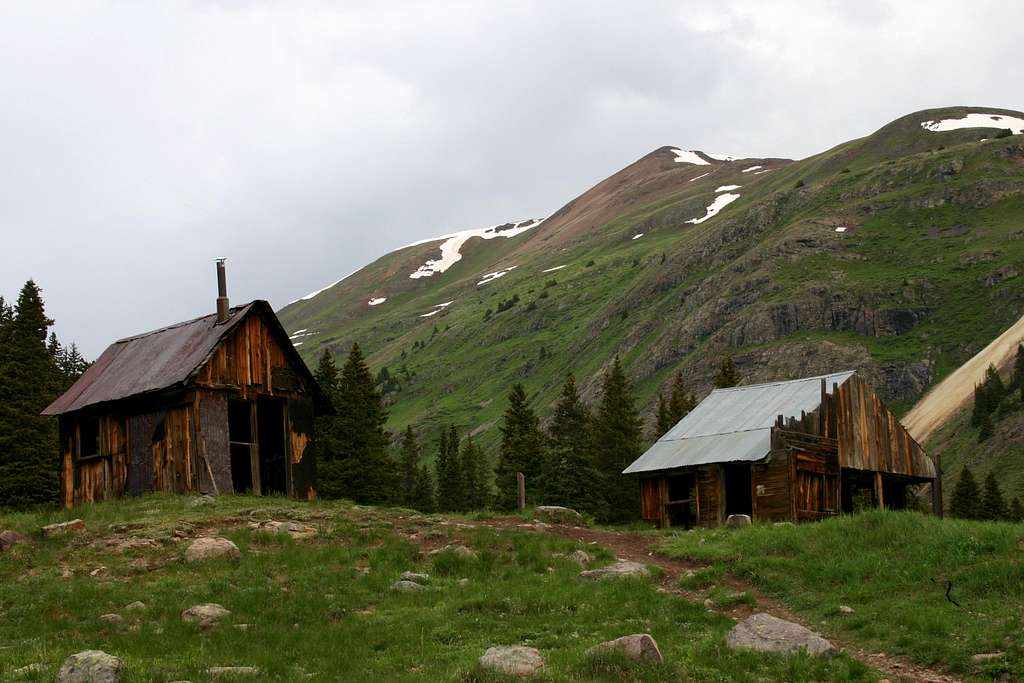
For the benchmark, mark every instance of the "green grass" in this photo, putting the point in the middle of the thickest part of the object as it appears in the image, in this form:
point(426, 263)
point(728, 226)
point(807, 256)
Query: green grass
point(882, 564)
point(323, 606)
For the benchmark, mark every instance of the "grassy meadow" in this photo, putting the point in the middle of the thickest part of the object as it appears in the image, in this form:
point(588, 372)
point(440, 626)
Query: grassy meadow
point(891, 568)
point(321, 608)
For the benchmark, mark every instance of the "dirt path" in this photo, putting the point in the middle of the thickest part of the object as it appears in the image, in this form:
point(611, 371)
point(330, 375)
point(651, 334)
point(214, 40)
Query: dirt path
point(637, 547)
point(947, 397)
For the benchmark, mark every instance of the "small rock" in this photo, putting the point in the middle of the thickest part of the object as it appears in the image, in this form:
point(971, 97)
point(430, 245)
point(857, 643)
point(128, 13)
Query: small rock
point(201, 501)
point(639, 647)
point(293, 529)
point(414, 577)
point(709, 603)
point(767, 633)
point(737, 521)
point(111, 618)
point(217, 671)
point(621, 569)
point(207, 548)
point(207, 613)
point(986, 656)
point(406, 587)
point(74, 525)
point(845, 609)
point(463, 582)
point(581, 557)
point(460, 551)
point(9, 538)
point(515, 660)
point(90, 666)
point(556, 514)
point(100, 573)
point(136, 606)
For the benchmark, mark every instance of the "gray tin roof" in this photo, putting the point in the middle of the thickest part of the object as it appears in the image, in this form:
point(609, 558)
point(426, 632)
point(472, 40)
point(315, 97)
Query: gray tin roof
point(733, 425)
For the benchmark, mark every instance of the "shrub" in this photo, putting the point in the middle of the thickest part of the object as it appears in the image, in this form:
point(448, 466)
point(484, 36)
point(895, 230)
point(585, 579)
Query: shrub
point(799, 183)
point(589, 263)
point(1002, 133)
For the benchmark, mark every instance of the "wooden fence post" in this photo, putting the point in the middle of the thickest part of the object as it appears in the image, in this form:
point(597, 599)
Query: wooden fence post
point(521, 497)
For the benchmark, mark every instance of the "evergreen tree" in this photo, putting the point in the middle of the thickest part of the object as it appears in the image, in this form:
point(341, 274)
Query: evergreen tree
point(358, 465)
point(569, 475)
point(409, 467)
point(522, 450)
point(1015, 513)
point(476, 485)
point(617, 436)
point(727, 375)
point(663, 422)
point(1017, 381)
point(965, 502)
point(993, 507)
point(423, 492)
point(985, 428)
point(29, 459)
point(450, 488)
point(682, 401)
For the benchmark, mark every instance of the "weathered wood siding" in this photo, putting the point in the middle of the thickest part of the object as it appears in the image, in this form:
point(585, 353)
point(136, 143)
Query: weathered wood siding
point(97, 477)
point(652, 504)
point(772, 487)
point(709, 495)
point(870, 437)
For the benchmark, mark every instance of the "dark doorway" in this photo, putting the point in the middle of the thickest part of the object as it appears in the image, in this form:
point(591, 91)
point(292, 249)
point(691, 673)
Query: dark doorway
point(858, 490)
point(737, 489)
point(240, 443)
point(682, 500)
point(273, 455)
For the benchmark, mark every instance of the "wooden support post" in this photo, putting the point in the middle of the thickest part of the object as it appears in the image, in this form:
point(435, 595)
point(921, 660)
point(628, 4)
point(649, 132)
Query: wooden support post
point(878, 490)
point(521, 493)
point(937, 486)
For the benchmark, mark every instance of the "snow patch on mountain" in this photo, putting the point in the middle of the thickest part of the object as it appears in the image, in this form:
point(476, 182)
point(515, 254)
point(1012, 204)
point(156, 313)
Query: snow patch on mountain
point(637, 236)
point(689, 156)
point(726, 188)
point(977, 120)
point(700, 176)
point(721, 201)
point(748, 170)
point(721, 157)
point(452, 245)
point(376, 302)
point(491, 277)
point(551, 270)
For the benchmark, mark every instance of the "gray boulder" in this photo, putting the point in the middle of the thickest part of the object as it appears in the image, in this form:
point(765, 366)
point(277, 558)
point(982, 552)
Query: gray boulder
point(514, 660)
point(206, 614)
point(414, 577)
point(581, 557)
point(208, 548)
point(767, 633)
point(460, 551)
point(737, 521)
point(622, 569)
point(556, 514)
point(639, 647)
point(406, 587)
point(90, 666)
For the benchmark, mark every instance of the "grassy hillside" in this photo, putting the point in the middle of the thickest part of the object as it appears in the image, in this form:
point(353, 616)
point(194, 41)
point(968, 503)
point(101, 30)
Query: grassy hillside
point(891, 569)
point(926, 273)
point(321, 608)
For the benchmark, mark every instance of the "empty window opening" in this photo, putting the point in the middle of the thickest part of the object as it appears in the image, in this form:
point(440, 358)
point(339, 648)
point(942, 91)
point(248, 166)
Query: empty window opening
point(858, 490)
point(737, 489)
point(272, 449)
point(240, 444)
point(682, 500)
point(89, 437)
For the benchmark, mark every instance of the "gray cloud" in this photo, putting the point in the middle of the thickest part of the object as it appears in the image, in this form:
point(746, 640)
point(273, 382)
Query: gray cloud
point(304, 140)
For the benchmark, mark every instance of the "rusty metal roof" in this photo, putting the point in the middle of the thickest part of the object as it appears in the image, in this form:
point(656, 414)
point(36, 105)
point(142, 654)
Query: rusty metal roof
point(157, 360)
point(734, 424)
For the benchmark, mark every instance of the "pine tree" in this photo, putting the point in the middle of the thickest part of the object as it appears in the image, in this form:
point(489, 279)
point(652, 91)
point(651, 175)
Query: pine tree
point(409, 467)
point(682, 401)
point(450, 489)
point(1017, 381)
point(984, 427)
point(522, 450)
point(1015, 513)
point(617, 436)
point(475, 477)
point(569, 475)
point(727, 375)
point(993, 507)
point(29, 459)
point(965, 502)
point(423, 492)
point(358, 466)
point(663, 421)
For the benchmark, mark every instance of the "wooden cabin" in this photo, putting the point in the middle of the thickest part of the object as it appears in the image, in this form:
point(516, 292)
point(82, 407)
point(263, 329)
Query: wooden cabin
point(219, 404)
point(784, 451)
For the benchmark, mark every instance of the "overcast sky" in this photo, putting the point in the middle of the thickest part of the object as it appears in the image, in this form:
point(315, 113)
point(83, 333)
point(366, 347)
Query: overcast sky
point(302, 140)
